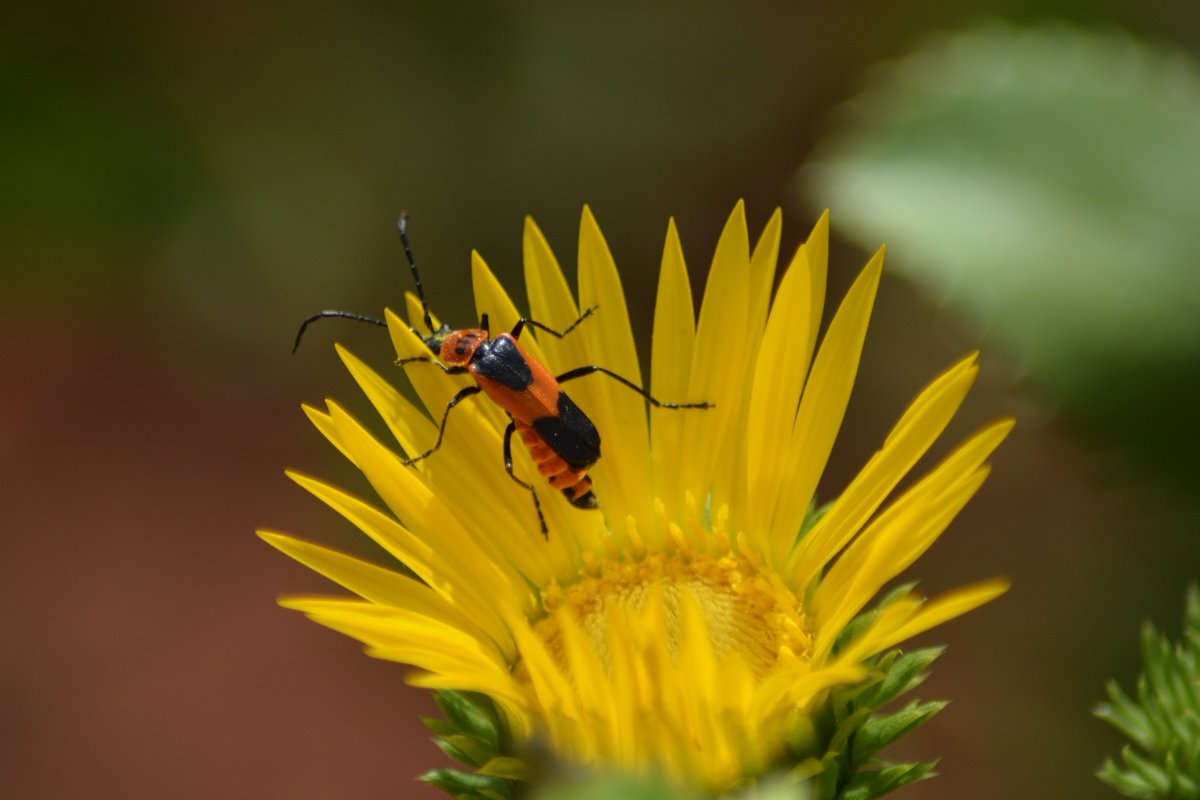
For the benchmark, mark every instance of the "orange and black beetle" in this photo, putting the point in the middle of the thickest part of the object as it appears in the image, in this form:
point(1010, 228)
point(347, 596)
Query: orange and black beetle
point(561, 439)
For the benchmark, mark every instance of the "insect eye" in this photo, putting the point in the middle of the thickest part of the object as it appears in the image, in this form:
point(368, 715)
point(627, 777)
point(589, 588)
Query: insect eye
point(460, 350)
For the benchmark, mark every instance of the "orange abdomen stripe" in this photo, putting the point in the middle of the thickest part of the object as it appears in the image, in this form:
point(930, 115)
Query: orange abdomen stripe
point(574, 483)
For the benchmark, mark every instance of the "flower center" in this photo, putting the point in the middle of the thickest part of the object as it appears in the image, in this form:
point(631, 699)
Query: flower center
point(745, 611)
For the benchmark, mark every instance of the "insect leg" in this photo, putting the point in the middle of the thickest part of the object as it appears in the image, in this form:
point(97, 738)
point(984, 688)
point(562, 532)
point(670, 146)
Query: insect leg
point(582, 371)
point(336, 315)
point(400, 362)
point(463, 394)
point(508, 434)
point(521, 323)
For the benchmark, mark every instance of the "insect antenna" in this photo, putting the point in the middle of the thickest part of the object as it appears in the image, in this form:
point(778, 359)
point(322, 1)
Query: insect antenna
point(320, 315)
point(402, 226)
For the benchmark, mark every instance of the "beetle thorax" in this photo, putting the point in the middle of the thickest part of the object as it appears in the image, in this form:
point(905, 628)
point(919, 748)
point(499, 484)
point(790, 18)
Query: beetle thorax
point(458, 348)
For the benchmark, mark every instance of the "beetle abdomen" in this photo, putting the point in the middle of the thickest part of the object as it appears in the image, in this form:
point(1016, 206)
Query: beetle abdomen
point(573, 482)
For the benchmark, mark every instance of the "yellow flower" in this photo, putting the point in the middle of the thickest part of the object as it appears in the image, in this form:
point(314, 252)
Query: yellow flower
point(685, 628)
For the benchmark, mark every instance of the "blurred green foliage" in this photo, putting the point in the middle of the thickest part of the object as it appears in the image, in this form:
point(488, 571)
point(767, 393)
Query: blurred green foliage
point(1162, 720)
point(1048, 181)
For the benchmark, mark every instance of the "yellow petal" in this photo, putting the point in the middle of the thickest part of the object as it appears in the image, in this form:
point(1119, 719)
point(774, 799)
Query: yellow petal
point(868, 567)
point(551, 303)
point(670, 364)
point(762, 274)
point(942, 609)
point(428, 514)
point(912, 436)
point(903, 532)
point(618, 412)
point(718, 363)
point(775, 396)
point(461, 580)
point(497, 685)
point(323, 423)
point(492, 299)
point(412, 429)
point(424, 617)
point(822, 407)
point(364, 579)
point(730, 486)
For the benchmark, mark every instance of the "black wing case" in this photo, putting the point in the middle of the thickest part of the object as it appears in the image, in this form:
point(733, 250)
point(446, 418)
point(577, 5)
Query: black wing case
point(570, 434)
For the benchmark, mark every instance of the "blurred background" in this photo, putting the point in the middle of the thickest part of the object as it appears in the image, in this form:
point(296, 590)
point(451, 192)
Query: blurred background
point(181, 184)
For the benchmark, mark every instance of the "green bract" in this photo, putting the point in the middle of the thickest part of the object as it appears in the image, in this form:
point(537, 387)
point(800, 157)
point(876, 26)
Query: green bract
point(1162, 721)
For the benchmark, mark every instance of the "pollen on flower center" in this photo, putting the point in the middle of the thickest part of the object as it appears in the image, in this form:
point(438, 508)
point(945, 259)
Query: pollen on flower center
point(745, 612)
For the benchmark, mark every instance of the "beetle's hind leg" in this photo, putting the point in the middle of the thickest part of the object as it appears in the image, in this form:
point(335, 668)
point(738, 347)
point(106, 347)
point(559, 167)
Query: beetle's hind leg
point(508, 467)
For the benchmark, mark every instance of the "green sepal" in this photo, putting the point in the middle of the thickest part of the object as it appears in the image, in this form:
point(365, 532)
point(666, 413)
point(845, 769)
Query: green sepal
point(463, 785)
point(1154, 776)
point(825, 785)
point(465, 750)
point(838, 744)
point(473, 735)
point(881, 731)
point(1125, 715)
point(850, 721)
point(439, 727)
point(812, 517)
point(876, 783)
point(471, 714)
point(513, 769)
point(1127, 783)
point(902, 674)
point(860, 623)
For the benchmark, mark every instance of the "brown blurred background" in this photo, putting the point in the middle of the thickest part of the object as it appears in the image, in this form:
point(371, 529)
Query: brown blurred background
point(180, 185)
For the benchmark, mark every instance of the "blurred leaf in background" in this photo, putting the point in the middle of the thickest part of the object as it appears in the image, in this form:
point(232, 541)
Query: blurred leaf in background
point(1048, 181)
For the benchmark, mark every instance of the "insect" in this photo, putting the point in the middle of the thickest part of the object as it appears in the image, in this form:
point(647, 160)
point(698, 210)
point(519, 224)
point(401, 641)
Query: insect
point(562, 441)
